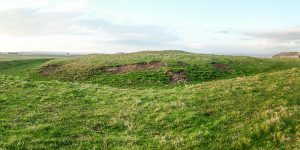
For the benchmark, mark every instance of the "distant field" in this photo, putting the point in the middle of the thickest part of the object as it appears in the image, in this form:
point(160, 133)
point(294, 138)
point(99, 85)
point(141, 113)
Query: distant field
point(19, 57)
point(21, 67)
point(149, 100)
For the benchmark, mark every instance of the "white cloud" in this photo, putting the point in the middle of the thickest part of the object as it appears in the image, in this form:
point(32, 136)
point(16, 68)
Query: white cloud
point(11, 4)
point(196, 45)
point(258, 41)
point(70, 25)
point(73, 5)
point(277, 35)
point(38, 29)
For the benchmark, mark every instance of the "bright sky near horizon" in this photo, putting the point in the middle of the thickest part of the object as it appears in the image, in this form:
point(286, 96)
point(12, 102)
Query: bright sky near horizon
point(109, 26)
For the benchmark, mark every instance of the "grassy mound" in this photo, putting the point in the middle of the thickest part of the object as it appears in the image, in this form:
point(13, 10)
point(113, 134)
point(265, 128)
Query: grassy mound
point(172, 67)
point(260, 111)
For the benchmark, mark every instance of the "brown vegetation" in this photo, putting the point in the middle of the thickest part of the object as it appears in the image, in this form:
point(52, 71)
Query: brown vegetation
point(47, 70)
point(222, 67)
point(178, 77)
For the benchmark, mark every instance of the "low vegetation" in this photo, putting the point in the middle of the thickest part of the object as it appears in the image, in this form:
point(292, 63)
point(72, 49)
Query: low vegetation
point(20, 67)
point(259, 111)
point(208, 102)
point(158, 69)
point(10, 57)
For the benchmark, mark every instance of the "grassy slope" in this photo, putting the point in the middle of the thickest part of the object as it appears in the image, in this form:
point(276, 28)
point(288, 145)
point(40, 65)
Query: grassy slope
point(198, 68)
point(259, 111)
point(22, 67)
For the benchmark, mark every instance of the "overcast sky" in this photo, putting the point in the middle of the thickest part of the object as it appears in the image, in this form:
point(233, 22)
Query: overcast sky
point(108, 26)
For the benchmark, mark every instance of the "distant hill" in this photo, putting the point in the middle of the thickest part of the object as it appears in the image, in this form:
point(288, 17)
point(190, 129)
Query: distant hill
point(163, 52)
point(287, 55)
point(41, 53)
point(45, 53)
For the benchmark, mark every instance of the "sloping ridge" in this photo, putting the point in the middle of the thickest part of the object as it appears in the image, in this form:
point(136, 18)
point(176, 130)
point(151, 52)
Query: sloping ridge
point(134, 67)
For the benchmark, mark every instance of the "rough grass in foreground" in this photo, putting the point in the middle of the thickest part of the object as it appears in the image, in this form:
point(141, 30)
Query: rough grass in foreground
point(255, 112)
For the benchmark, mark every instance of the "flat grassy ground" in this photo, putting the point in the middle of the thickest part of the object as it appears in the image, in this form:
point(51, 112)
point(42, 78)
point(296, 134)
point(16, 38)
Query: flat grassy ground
point(258, 109)
point(21, 57)
point(20, 67)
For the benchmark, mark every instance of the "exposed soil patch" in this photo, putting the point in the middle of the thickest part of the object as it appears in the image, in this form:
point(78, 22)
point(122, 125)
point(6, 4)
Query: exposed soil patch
point(220, 66)
point(134, 67)
point(180, 63)
point(208, 112)
point(47, 70)
point(178, 77)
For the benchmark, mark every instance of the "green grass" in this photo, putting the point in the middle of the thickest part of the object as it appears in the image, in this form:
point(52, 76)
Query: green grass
point(11, 57)
point(196, 67)
point(253, 104)
point(20, 67)
point(260, 111)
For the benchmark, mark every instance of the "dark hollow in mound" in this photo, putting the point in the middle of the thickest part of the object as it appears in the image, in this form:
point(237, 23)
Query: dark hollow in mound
point(178, 77)
point(220, 66)
point(47, 70)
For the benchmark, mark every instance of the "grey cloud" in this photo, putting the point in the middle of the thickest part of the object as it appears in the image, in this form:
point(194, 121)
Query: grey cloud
point(271, 40)
point(230, 31)
point(285, 35)
point(32, 22)
point(35, 22)
point(133, 34)
point(224, 32)
point(142, 42)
